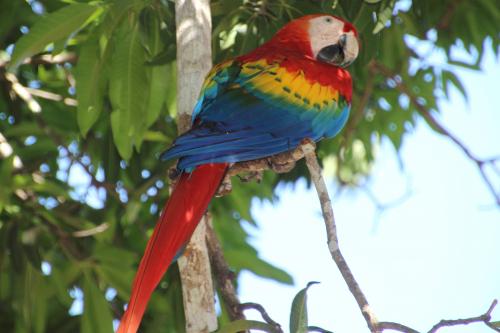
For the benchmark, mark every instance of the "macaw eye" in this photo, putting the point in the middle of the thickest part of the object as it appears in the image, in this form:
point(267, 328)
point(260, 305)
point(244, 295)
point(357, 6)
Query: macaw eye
point(328, 20)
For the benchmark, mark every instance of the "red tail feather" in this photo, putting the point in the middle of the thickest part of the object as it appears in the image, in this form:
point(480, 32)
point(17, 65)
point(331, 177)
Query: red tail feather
point(179, 218)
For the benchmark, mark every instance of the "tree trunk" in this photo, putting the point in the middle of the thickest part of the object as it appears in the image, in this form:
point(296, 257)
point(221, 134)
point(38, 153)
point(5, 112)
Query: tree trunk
point(194, 60)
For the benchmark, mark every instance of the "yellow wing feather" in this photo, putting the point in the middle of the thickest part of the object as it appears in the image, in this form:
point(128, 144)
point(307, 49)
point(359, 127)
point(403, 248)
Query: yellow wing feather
point(293, 87)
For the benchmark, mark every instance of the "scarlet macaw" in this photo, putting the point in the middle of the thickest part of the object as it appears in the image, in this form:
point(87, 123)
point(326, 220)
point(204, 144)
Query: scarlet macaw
point(293, 87)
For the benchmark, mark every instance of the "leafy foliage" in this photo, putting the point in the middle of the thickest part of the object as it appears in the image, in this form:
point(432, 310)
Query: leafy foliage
point(298, 319)
point(81, 186)
point(298, 315)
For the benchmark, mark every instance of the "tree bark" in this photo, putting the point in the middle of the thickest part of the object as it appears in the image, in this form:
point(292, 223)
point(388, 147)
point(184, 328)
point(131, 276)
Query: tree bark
point(194, 60)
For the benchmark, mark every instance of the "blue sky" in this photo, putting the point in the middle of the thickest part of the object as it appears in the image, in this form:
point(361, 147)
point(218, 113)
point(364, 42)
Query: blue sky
point(434, 256)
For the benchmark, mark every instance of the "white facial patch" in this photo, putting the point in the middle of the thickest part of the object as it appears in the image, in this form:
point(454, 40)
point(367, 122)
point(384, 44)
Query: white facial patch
point(326, 30)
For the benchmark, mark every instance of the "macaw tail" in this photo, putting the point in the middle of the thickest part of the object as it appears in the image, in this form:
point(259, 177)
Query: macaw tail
point(179, 218)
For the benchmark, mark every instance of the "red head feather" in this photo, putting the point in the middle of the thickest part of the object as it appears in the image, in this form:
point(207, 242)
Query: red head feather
point(293, 42)
point(295, 35)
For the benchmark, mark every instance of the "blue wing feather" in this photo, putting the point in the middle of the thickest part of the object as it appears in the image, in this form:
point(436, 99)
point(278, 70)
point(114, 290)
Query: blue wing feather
point(234, 121)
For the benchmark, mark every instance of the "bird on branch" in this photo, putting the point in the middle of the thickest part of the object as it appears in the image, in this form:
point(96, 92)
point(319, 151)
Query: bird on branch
point(258, 105)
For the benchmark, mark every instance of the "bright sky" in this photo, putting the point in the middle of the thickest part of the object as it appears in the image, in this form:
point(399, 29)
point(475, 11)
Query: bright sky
point(433, 257)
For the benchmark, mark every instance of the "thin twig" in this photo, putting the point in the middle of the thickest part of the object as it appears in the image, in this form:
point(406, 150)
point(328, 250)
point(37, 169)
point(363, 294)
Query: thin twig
point(387, 325)
point(52, 96)
point(382, 207)
point(92, 231)
point(6, 151)
point(109, 187)
point(47, 59)
point(27, 93)
point(444, 22)
point(433, 122)
point(331, 230)
point(23, 93)
point(263, 313)
point(223, 275)
point(359, 112)
point(67, 243)
point(484, 318)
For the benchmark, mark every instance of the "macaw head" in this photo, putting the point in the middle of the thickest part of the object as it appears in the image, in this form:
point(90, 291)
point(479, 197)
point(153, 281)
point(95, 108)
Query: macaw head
point(325, 38)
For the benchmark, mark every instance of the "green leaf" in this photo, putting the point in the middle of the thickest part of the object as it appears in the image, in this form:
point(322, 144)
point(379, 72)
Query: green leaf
point(43, 147)
point(33, 254)
point(115, 266)
point(6, 170)
point(475, 67)
point(171, 92)
point(117, 278)
point(62, 119)
point(372, 1)
point(112, 255)
point(450, 77)
point(156, 136)
point(90, 84)
point(158, 75)
point(96, 316)
point(157, 92)
point(60, 285)
point(298, 314)
point(384, 16)
point(23, 129)
point(35, 301)
point(244, 325)
point(166, 56)
point(128, 94)
point(52, 28)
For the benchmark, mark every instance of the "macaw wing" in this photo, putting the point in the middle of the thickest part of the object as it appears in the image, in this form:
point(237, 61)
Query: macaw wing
point(257, 109)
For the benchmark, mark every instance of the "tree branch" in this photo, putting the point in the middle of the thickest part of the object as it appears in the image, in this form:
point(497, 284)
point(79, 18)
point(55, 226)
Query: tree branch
point(263, 313)
point(484, 318)
point(47, 59)
point(433, 122)
point(23, 93)
point(6, 151)
point(387, 325)
point(223, 276)
point(382, 207)
point(359, 112)
point(444, 22)
point(331, 230)
point(52, 96)
point(374, 325)
point(27, 93)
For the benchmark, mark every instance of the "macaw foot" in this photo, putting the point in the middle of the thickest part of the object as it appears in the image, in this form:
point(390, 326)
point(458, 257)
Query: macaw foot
point(226, 185)
point(250, 176)
point(281, 163)
point(253, 170)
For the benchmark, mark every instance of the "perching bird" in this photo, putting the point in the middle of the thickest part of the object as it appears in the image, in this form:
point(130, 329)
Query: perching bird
point(266, 102)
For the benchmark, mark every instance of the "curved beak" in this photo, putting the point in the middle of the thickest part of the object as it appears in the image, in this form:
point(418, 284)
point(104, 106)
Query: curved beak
point(341, 54)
